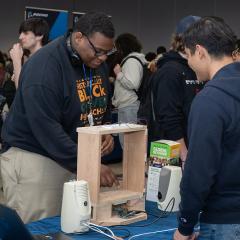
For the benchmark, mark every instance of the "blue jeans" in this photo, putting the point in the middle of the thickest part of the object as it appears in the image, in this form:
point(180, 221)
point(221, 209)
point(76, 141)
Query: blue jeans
point(219, 231)
point(127, 115)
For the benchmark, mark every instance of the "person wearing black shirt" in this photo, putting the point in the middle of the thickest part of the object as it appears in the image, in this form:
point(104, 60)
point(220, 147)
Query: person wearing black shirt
point(174, 87)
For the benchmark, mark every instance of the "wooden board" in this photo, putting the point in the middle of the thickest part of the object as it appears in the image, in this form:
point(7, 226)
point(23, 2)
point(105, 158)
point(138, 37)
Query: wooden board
point(118, 196)
point(112, 128)
point(89, 162)
point(116, 220)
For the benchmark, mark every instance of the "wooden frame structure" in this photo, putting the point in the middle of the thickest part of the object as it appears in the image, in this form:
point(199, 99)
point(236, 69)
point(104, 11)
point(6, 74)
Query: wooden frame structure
point(132, 188)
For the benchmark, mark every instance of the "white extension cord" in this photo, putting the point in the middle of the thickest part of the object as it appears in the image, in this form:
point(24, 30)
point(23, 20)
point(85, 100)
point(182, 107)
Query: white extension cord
point(97, 228)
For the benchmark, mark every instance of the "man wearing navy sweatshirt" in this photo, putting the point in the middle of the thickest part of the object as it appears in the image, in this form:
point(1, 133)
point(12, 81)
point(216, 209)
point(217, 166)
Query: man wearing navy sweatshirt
point(210, 187)
point(64, 85)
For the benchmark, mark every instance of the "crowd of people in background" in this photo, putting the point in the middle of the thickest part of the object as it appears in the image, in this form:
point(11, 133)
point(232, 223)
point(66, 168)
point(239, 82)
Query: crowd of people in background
point(48, 93)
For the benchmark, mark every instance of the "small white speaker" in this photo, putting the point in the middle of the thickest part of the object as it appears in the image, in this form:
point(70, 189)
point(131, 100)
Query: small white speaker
point(76, 207)
point(169, 188)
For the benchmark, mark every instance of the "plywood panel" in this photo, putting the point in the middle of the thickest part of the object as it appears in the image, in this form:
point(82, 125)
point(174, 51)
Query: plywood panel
point(134, 156)
point(89, 162)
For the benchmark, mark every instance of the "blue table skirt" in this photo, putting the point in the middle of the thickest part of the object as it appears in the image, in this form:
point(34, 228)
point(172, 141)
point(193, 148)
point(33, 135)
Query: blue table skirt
point(52, 225)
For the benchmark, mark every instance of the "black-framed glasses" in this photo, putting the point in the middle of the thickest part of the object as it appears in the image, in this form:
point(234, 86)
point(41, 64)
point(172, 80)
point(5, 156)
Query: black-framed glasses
point(236, 52)
point(99, 53)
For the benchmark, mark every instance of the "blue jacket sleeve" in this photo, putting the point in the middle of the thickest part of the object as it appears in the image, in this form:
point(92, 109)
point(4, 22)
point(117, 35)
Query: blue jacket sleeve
point(203, 159)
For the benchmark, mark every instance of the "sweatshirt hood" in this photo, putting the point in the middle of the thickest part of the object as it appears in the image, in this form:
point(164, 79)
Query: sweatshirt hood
point(171, 56)
point(227, 79)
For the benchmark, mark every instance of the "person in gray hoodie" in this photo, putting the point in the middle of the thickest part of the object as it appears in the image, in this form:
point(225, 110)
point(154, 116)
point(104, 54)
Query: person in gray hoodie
point(211, 181)
point(128, 78)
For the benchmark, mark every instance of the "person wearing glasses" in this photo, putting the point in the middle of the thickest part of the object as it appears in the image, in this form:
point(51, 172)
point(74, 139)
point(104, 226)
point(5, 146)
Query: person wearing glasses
point(64, 85)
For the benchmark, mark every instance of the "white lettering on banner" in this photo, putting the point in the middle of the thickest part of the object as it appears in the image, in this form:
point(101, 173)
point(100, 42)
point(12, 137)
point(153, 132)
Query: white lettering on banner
point(40, 14)
point(192, 82)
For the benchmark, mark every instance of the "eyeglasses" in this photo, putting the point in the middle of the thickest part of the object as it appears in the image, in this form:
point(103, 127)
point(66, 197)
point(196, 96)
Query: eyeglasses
point(99, 53)
point(236, 52)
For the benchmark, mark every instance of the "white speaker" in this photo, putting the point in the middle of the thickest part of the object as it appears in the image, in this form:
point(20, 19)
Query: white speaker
point(169, 188)
point(76, 207)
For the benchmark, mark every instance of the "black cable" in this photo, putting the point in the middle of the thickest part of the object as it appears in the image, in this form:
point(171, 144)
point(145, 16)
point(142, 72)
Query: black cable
point(163, 214)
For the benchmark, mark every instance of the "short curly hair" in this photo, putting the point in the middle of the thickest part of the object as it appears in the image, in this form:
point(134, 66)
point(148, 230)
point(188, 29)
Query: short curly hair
point(127, 43)
point(93, 22)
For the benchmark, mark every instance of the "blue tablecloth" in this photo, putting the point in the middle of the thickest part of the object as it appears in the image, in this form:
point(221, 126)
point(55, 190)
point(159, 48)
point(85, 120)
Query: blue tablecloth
point(52, 225)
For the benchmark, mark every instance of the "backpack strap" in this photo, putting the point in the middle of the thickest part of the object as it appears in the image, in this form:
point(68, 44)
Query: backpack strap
point(153, 112)
point(135, 90)
point(132, 57)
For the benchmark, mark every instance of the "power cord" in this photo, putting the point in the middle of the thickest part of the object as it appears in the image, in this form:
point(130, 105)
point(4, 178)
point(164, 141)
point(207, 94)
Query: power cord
point(97, 228)
point(161, 216)
point(161, 231)
point(149, 233)
point(128, 233)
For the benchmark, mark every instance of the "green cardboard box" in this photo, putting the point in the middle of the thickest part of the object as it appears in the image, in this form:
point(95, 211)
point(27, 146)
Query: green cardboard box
point(164, 152)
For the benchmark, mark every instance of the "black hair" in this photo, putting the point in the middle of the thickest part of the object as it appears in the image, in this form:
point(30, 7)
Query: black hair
point(127, 43)
point(161, 49)
point(36, 25)
point(93, 22)
point(2, 61)
point(237, 44)
point(213, 34)
point(150, 56)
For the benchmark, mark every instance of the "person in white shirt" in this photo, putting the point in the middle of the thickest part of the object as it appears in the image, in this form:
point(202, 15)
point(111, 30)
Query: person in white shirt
point(129, 74)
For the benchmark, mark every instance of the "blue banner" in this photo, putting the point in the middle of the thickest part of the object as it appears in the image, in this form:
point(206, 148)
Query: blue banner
point(57, 19)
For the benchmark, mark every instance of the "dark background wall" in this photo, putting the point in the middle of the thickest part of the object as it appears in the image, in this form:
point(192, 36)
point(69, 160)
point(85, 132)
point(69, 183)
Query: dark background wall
point(153, 21)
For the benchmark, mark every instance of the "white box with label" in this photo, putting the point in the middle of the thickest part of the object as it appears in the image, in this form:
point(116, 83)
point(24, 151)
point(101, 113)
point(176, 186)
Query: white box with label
point(153, 183)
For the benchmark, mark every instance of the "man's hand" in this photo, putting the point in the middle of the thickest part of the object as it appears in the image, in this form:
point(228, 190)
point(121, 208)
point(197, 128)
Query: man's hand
point(183, 151)
point(178, 236)
point(107, 144)
point(16, 53)
point(107, 177)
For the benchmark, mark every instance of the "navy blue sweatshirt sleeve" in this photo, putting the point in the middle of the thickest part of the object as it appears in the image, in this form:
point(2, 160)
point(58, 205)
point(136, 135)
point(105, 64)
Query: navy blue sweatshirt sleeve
point(43, 102)
point(169, 102)
point(44, 111)
point(203, 160)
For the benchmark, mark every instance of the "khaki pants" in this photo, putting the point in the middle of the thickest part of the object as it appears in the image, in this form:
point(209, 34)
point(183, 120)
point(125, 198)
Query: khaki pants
point(32, 184)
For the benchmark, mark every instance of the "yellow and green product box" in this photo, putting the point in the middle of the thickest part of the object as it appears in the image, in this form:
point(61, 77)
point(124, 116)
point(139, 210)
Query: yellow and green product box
point(164, 152)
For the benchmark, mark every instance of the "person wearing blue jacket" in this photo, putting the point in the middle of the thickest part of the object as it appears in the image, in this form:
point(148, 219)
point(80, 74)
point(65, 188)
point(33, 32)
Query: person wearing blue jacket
point(210, 187)
point(62, 86)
